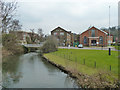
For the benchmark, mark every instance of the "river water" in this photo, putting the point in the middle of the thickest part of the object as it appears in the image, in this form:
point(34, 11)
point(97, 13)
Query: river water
point(32, 71)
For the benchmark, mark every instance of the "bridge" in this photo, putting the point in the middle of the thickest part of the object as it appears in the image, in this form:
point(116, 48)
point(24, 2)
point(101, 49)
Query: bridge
point(34, 45)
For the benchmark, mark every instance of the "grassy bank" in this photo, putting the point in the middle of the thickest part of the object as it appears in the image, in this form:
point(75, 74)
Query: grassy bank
point(117, 47)
point(88, 62)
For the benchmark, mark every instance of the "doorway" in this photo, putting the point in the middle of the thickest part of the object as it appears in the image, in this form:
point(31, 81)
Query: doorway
point(93, 43)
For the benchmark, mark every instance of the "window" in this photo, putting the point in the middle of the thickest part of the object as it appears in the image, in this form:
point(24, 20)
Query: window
point(100, 40)
point(57, 39)
point(85, 40)
point(55, 33)
point(68, 34)
point(24, 36)
point(93, 33)
point(61, 33)
point(68, 39)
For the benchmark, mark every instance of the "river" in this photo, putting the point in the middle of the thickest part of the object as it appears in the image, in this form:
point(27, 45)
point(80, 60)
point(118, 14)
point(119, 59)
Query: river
point(32, 71)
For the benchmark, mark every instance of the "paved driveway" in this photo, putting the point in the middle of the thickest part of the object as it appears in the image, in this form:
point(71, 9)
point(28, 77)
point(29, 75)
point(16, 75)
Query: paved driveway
point(92, 48)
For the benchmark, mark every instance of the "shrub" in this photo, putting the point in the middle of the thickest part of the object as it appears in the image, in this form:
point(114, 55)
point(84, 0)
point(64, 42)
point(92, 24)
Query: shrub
point(9, 42)
point(26, 50)
point(50, 45)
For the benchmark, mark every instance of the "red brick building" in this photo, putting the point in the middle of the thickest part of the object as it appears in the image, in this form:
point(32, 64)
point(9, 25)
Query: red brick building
point(24, 37)
point(95, 37)
point(64, 37)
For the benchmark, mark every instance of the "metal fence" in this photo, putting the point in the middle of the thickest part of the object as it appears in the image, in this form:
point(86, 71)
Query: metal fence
point(83, 61)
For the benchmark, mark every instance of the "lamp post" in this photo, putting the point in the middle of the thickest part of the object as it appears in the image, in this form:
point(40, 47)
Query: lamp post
point(109, 33)
point(109, 27)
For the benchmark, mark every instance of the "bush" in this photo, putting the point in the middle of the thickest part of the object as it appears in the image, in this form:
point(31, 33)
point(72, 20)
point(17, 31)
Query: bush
point(26, 50)
point(113, 44)
point(50, 45)
point(9, 42)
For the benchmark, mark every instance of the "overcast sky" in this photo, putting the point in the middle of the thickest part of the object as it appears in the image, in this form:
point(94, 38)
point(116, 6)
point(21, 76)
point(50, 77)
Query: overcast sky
point(72, 15)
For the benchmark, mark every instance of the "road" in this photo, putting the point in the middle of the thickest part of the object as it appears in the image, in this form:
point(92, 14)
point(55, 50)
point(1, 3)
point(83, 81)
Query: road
point(92, 48)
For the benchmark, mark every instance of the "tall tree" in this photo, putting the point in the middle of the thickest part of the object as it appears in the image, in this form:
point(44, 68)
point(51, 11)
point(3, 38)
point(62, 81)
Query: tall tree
point(8, 11)
point(15, 25)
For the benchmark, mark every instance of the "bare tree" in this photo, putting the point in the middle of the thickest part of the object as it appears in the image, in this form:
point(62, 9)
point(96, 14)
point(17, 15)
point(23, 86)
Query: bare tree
point(32, 30)
point(32, 35)
point(15, 25)
point(8, 11)
point(40, 33)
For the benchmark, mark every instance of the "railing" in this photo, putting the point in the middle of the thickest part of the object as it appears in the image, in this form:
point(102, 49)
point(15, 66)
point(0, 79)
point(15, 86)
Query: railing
point(34, 45)
point(84, 61)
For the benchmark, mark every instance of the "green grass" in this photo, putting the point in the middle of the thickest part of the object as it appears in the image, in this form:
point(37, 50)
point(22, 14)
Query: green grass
point(73, 60)
point(117, 47)
point(71, 65)
point(101, 57)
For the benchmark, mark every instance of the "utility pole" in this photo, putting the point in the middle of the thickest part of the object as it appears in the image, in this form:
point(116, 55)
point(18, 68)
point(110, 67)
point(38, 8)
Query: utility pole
point(109, 27)
point(109, 33)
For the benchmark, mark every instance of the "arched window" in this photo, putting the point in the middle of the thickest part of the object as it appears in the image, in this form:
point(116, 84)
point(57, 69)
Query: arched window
point(93, 33)
point(85, 40)
point(100, 40)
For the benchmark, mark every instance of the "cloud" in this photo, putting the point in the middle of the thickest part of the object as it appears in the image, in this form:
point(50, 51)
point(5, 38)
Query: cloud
point(74, 15)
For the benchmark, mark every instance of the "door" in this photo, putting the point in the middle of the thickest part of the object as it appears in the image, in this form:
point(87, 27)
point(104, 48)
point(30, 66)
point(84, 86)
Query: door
point(93, 43)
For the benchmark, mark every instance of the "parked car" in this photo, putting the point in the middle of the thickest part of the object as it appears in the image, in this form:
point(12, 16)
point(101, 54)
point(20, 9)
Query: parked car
point(80, 46)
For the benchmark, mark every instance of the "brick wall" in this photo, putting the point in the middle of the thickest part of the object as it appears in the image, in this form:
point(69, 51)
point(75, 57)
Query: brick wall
point(63, 39)
point(98, 33)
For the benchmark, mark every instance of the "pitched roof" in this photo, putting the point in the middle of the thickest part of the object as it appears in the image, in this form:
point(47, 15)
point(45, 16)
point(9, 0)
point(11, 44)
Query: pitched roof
point(95, 28)
point(61, 29)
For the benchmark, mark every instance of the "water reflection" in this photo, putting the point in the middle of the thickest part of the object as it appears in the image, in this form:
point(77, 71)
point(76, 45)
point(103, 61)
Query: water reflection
point(10, 72)
point(31, 71)
point(9, 64)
